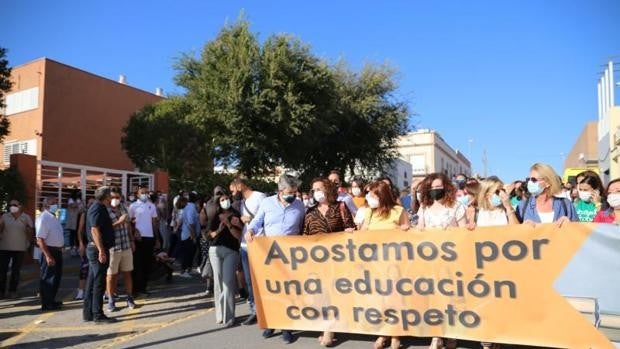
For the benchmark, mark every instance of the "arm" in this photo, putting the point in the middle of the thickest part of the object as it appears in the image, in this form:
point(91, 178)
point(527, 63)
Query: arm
point(256, 223)
point(97, 237)
point(403, 220)
point(347, 218)
point(1, 225)
point(421, 224)
point(46, 252)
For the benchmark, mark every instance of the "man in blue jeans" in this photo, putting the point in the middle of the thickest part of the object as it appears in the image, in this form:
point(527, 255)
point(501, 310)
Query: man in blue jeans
point(100, 235)
point(50, 238)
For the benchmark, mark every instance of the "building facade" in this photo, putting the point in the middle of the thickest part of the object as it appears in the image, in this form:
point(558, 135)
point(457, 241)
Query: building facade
point(427, 152)
point(608, 125)
point(71, 121)
point(584, 153)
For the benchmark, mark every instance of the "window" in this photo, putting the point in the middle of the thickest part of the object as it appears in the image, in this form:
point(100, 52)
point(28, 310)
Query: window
point(22, 101)
point(25, 147)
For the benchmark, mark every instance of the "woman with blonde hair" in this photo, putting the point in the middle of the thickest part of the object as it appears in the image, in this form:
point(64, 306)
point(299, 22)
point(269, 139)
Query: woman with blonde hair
point(545, 205)
point(494, 206)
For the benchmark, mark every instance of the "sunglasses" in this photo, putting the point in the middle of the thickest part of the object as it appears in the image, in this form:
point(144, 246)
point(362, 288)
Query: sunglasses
point(533, 179)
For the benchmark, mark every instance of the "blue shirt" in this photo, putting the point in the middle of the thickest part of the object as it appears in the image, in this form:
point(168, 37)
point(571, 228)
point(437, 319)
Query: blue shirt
point(405, 202)
point(278, 220)
point(190, 218)
point(561, 207)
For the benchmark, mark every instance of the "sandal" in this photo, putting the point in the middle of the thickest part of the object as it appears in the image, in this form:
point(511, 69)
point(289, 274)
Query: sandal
point(327, 339)
point(379, 343)
point(395, 344)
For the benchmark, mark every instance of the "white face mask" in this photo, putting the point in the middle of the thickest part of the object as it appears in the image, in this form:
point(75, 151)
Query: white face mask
point(373, 202)
point(14, 209)
point(225, 205)
point(356, 191)
point(115, 202)
point(53, 208)
point(614, 200)
point(319, 196)
point(418, 196)
point(306, 202)
point(585, 195)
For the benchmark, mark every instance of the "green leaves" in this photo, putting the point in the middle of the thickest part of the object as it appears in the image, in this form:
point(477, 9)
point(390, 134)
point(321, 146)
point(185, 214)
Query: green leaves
point(5, 86)
point(254, 106)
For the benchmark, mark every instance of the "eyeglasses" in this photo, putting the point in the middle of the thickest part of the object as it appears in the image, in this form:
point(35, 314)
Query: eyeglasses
point(534, 179)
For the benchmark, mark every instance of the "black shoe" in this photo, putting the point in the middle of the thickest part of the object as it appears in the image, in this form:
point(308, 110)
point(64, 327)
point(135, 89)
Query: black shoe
point(267, 333)
point(87, 320)
point(287, 337)
point(57, 303)
point(102, 319)
point(50, 307)
point(251, 320)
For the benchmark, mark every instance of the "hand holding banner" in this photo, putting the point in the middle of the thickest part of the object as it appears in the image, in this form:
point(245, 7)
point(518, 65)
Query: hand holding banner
point(493, 284)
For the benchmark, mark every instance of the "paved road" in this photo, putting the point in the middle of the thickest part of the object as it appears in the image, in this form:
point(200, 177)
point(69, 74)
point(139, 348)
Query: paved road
point(176, 315)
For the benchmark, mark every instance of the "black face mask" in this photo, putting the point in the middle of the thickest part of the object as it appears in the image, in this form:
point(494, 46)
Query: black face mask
point(437, 194)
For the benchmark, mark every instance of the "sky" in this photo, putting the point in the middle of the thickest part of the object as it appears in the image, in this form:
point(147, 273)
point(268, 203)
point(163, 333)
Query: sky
point(515, 78)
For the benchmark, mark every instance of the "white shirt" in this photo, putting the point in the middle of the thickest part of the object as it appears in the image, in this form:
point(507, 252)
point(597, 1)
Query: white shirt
point(48, 228)
point(143, 212)
point(359, 216)
point(546, 217)
point(250, 208)
point(490, 218)
point(442, 217)
point(348, 200)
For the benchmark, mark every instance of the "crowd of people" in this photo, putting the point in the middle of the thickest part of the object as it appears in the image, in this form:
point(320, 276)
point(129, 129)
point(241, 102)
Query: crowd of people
point(208, 237)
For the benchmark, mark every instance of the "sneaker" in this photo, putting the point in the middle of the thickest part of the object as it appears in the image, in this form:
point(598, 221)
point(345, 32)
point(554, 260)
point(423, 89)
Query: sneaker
point(185, 275)
point(287, 337)
point(208, 293)
point(111, 307)
point(267, 333)
point(80, 295)
point(130, 303)
point(230, 323)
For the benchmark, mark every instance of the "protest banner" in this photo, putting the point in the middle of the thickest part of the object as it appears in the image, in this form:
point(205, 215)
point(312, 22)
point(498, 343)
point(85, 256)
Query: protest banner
point(500, 284)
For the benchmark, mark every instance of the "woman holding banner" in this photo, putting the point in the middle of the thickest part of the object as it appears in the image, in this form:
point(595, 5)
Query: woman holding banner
point(383, 214)
point(494, 209)
point(544, 205)
point(440, 209)
point(328, 216)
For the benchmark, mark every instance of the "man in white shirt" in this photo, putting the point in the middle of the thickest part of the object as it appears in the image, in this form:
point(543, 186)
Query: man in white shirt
point(50, 238)
point(250, 204)
point(143, 215)
point(334, 177)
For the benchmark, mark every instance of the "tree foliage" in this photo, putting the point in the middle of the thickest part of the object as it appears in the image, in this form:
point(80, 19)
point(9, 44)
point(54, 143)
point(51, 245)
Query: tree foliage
point(254, 106)
point(5, 86)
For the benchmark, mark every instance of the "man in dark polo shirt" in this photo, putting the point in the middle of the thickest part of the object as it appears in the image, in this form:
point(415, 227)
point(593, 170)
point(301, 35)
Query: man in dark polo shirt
point(100, 234)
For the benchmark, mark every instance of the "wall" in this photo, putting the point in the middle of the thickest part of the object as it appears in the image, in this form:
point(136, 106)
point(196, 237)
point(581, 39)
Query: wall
point(26, 125)
point(587, 143)
point(84, 116)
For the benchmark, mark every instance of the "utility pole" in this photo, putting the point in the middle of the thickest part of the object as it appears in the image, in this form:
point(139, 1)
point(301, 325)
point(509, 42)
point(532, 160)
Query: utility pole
point(470, 158)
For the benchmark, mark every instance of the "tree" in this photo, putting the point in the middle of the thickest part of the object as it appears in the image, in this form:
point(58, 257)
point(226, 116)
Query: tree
point(374, 117)
point(5, 86)
point(254, 107)
point(163, 136)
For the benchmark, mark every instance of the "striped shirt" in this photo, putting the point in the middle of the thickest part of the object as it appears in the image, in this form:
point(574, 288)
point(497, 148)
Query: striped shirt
point(336, 219)
point(121, 234)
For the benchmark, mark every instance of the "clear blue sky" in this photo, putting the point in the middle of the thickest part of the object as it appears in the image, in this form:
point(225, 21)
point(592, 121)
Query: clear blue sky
point(497, 72)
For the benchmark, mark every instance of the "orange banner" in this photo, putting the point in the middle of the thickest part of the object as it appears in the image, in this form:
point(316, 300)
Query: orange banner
point(491, 284)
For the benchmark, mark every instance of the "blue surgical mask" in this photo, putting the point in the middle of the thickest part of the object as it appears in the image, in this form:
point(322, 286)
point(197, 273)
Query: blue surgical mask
point(53, 208)
point(496, 201)
point(534, 188)
point(144, 197)
point(464, 200)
